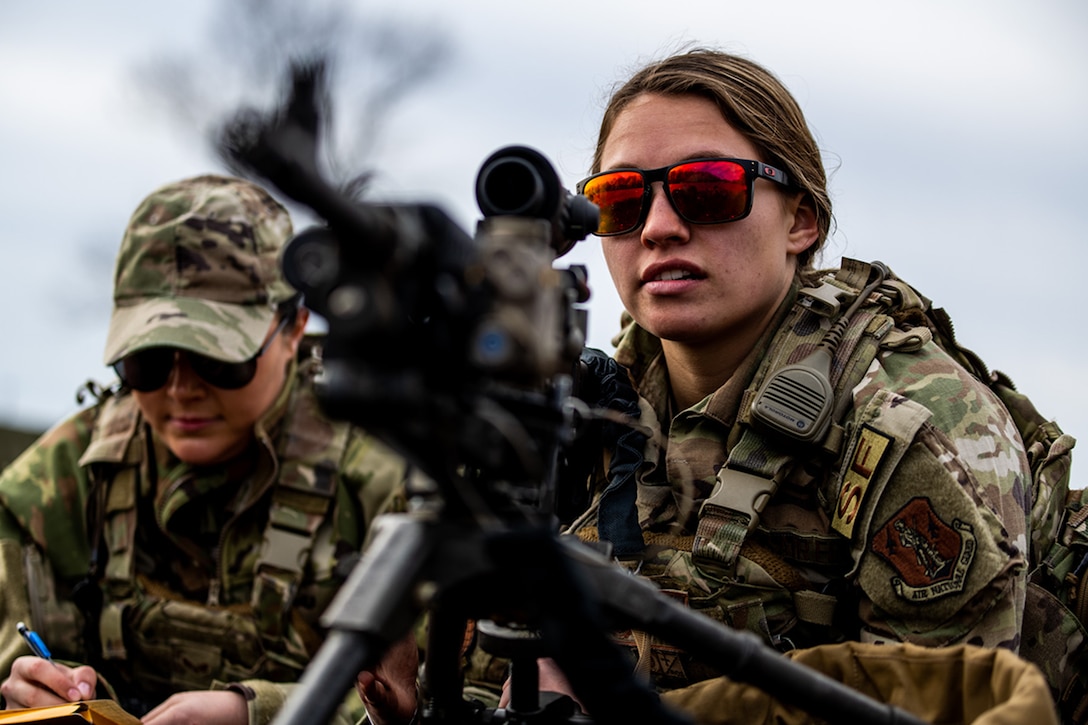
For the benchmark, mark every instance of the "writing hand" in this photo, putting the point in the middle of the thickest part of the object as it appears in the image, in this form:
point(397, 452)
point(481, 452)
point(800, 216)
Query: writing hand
point(37, 682)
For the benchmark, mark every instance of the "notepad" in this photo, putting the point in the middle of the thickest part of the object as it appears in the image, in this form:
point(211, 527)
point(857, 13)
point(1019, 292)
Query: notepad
point(101, 712)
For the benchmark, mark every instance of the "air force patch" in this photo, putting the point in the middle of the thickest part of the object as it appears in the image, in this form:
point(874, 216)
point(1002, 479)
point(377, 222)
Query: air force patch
point(930, 557)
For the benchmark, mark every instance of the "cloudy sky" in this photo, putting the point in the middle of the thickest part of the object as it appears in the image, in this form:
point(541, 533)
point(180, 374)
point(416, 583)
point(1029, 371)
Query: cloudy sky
point(954, 133)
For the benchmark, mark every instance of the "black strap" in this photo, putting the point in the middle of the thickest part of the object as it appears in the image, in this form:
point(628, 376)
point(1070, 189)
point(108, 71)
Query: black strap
point(617, 518)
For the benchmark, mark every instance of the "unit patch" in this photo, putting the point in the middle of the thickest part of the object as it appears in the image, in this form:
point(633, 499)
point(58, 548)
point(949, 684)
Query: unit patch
point(931, 557)
point(872, 445)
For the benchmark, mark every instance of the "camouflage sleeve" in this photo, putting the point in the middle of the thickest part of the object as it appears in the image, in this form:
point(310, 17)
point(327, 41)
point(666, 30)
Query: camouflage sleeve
point(264, 699)
point(42, 497)
point(14, 602)
point(934, 499)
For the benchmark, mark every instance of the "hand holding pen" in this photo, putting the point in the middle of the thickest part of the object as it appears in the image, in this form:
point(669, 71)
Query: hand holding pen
point(34, 683)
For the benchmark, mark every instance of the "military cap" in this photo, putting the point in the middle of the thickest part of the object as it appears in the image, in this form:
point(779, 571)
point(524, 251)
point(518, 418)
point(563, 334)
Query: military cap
point(198, 269)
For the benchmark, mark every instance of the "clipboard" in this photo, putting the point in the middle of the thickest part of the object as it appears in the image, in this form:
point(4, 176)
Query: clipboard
point(100, 712)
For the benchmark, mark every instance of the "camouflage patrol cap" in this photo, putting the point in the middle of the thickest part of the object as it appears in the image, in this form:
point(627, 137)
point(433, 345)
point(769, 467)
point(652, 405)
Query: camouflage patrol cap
point(198, 269)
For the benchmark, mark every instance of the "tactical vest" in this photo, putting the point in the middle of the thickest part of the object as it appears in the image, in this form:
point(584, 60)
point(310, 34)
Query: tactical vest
point(721, 562)
point(765, 593)
point(166, 643)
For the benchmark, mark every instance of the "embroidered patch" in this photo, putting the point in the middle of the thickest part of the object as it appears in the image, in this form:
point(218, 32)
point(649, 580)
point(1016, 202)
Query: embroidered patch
point(931, 558)
point(872, 445)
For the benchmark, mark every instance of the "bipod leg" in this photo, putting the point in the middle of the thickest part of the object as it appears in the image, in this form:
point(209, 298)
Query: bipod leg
point(527, 704)
point(740, 655)
point(375, 607)
point(443, 679)
point(574, 633)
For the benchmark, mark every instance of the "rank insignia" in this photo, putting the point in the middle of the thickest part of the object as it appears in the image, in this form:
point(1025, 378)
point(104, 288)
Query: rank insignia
point(930, 557)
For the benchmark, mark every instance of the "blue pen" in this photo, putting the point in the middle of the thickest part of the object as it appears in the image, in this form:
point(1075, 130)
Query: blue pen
point(37, 646)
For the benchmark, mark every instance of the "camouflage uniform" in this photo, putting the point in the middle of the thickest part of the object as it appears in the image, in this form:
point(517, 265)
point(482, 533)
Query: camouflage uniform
point(906, 524)
point(169, 577)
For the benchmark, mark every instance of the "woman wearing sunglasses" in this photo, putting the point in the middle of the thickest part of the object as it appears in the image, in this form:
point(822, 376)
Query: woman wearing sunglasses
point(175, 543)
point(844, 500)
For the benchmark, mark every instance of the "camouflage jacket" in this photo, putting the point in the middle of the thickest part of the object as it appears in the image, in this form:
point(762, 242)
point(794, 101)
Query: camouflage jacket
point(197, 565)
point(907, 524)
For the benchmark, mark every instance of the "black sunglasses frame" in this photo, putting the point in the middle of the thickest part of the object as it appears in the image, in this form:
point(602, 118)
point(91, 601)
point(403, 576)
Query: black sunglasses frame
point(217, 373)
point(752, 170)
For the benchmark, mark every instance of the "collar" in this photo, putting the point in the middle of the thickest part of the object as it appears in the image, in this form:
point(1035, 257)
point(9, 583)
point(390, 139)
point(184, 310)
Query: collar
point(259, 461)
point(642, 354)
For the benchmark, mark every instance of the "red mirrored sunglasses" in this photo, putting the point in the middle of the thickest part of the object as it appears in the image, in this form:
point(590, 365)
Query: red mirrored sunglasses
point(702, 191)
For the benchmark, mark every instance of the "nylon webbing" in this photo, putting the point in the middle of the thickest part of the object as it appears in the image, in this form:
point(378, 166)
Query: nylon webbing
point(732, 510)
point(119, 535)
point(759, 462)
point(301, 498)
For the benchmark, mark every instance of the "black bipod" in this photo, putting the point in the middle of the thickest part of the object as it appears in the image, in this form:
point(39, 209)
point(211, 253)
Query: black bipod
point(459, 574)
point(527, 704)
point(570, 597)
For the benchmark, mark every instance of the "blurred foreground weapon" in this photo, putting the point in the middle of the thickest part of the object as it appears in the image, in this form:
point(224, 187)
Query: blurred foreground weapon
point(462, 353)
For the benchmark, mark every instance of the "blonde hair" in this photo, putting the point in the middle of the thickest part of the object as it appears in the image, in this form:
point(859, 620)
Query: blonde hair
point(754, 102)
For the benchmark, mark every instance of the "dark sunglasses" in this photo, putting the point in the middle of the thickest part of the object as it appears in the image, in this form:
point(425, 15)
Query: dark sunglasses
point(148, 370)
point(702, 191)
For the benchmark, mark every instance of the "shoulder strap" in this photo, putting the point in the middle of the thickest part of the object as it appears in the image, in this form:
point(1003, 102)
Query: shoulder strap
point(114, 461)
point(114, 430)
point(311, 449)
point(760, 461)
point(310, 453)
point(119, 576)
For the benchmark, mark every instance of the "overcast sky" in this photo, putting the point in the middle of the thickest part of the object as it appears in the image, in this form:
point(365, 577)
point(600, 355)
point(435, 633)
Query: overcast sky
point(954, 133)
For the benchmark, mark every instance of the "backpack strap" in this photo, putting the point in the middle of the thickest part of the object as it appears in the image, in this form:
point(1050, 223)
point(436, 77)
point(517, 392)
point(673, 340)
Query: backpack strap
point(759, 461)
point(1074, 539)
point(310, 454)
point(311, 449)
point(739, 496)
point(119, 576)
point(114, 462)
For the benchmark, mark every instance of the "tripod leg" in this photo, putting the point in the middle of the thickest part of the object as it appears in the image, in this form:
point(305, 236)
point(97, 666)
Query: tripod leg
point(443, 681)
point(742, 656)
point(373, 609)
point(340, 658)
point(524, 678)
point(574, 632)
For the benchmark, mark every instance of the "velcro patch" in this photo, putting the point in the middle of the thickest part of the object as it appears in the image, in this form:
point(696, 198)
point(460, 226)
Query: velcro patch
point(872, 445)
point(931, 557)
